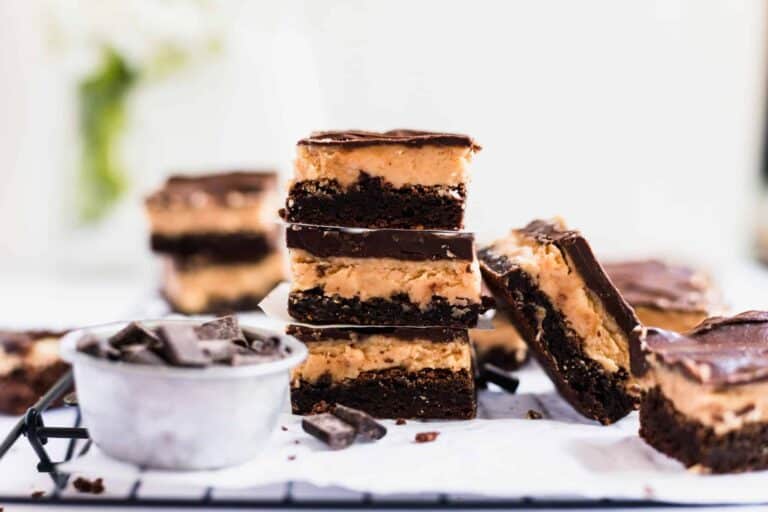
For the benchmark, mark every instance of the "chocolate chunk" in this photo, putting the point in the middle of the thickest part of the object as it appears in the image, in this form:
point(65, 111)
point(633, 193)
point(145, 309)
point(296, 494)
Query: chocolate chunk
point(88, 486)
point(400, 421)
point(180, 346)
point(329, 429)
point(264, 345)
point(89, 345)
point(494, 374)
point(133, 334)
point(223, 328)
point(218, 350)
point(366, 426)
point(139, 354)
point(426, 437)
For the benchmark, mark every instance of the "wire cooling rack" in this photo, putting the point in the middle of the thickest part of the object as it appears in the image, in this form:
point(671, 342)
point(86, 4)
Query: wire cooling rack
point(57, 489)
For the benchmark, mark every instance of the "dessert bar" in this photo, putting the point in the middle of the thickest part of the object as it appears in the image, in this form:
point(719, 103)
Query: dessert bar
point(396, 179)
point(388, 372)
point(673, 297)
point(575, 322)
point(501, 346)
point(383, 277)
point(29, 366)
point(708, 407)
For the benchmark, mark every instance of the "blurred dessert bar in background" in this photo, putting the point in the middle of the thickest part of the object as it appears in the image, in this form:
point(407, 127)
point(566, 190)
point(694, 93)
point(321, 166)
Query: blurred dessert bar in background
point(29, 366)
point(389, 372)
point(383, 277)
point(673, 297)
point(397, 179)
point(501, 346)
point(575, 321)
point(218, 240)
point(708, 406)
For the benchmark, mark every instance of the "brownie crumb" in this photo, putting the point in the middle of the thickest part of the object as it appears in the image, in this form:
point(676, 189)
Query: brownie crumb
point(533, 415)
point(37, 495)
point(426, 437)
point(400, 421)
point(283, 428)
point(291, 457)
point(89, 486)
point(296, 441)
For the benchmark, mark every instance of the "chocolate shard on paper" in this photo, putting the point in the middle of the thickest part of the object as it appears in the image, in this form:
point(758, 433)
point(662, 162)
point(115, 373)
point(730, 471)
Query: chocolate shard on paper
point(329, 429)
point(366, 426)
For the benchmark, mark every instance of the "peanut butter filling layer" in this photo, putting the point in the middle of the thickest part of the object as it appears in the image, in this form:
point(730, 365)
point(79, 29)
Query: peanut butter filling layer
point(397, 164)
point(192, 289)
point(42, 353)
point(502, 335)
point(368, 278)
point(678, 321)
point(204, 214)
point(603, 341)
point(344, 359)
point(722, 409)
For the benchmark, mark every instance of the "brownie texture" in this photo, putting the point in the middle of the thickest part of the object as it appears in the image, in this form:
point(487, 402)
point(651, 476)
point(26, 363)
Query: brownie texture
point(308, 334)
point(216, 247)
point(313, 306)
point(502, 357)
point(21, 388)
point(394, 393)
point(373, 203)
point(581, 381)
point(693, 443)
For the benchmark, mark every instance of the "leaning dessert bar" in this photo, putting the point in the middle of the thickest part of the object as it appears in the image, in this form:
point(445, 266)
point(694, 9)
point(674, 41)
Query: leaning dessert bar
point(575, 322)
point(389, 372)
point(397, 179)
point(383, 277)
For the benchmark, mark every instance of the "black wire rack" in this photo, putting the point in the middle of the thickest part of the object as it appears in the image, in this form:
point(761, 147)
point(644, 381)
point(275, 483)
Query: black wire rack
point(291, 495)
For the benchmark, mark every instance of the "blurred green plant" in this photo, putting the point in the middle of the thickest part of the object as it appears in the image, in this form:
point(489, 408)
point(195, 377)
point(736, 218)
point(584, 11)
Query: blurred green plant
point(102, 99)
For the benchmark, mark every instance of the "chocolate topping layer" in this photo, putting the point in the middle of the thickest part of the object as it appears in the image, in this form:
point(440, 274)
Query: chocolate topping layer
point(437, 334)
point(415, 138)
point(655, 284)
point(409, 245)
point(720, 351)
point(182, 186)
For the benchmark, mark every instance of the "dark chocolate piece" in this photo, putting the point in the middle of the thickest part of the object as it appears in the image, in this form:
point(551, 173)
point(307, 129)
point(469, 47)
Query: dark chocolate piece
point(309, 334)
point(89, 345)
point(413, 138)
point(218, 350)
point(180, 346)
point(364, 424)
point(426, 437)
point(87, 486)
point(139, 354)
point(720, 351)
point(313, 306)
point(496, 375)
point(411, 245)
point(222, 328)
point(394, 393)
point(659, 285)
point(372, 202)
point(240, 247)
point(133, 334)
point(329, 429)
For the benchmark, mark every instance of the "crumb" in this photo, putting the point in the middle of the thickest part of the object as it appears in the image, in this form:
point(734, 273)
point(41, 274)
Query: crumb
point(533, 415)
point(296, 441)
point(37, 495)
point(400, 421)
point(283, 428)
point(88, 486)
point(291, 457)
point(426, 437)
point(648, 491)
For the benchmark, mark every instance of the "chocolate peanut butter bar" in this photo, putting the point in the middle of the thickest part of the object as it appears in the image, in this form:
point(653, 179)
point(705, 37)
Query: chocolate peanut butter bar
point(501, 346)
point(575, 322)
point(29, 366)
point(672, 297)
point(217, 237)
point(383, 277)
point(388, 372)
point(397, 179)
point(708, 407)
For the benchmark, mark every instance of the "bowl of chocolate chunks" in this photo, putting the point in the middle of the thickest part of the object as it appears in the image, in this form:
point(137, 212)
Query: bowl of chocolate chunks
point(181, 393)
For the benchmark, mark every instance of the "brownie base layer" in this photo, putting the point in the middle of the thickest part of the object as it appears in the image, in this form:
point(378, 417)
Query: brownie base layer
point(501, 358)
point(219, 306)
point(693, 443)
point(228, 248)
point(312, 306)
point(373, 203)
point(582, 381)
point(394, 393)
point(20, 389)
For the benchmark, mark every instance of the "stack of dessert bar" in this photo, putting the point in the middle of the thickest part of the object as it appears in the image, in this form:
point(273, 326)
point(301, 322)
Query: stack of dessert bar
point(218, 240)
point(384, 283)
